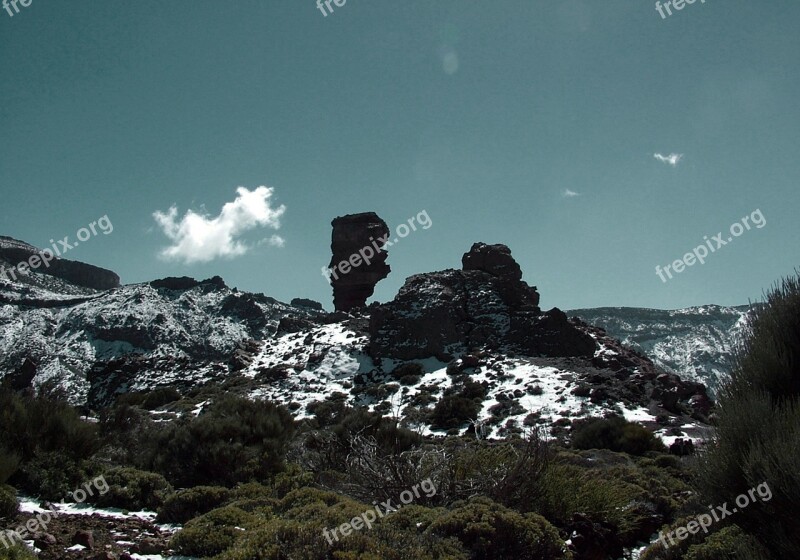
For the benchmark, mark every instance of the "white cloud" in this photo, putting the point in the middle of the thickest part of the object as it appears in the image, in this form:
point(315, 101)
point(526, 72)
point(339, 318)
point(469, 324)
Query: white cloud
point(671, 159)
point(569, 194)
point(200, 238)
point(274, 240)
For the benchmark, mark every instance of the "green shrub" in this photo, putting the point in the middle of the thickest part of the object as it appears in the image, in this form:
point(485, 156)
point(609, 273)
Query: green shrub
point(302, 538)
point(408, 369)
point(51, 476)
point(293, 479)
point(188, 504)
point(233, 440)
point(491, 532)
point(569, 489)
point(328, 450)
point(327, 413)
point(8, 502)
point(9, 464)
point(729, 543)
point(30, 426)
point(460, 404)
point(510, 472)
point(758, 426)
point(16, 552)
point(214, 532)
point(615, 434)
point(150, 400)
point(454, 411)
point(133, 490)
point(277, 539)
point(44, 444)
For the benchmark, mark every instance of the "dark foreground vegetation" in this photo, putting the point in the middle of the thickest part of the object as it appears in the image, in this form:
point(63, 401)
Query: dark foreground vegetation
point(248, 482)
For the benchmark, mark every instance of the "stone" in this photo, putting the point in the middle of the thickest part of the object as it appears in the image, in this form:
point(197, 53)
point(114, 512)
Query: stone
point(44, 540)
point(150, 546)
point(84, 538)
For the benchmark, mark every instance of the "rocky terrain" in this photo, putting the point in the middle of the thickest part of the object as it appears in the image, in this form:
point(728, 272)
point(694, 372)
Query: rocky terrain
point(532, 367)
point(698, 343)
point(456, 352)
point(96, 534)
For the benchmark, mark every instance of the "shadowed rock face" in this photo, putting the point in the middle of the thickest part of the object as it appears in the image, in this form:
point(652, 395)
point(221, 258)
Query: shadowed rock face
point(75, 272)
point(357, 263)
point(494, 259)
point(486, 305)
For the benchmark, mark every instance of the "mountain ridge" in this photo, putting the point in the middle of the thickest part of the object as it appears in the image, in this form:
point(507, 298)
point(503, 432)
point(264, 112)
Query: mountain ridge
point(517, 365)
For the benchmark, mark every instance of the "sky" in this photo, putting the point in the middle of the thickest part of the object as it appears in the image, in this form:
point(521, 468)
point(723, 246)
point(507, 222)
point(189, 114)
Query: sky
point(598, 140)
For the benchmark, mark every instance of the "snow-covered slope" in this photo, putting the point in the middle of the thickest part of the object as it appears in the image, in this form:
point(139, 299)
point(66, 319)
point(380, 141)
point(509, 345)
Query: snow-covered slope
point(520, 391)
point(697, 342)
point(64, 336)
point(541, 370)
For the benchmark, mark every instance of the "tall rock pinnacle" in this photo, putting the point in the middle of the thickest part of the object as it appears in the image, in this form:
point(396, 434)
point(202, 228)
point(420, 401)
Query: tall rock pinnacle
point(358, 263)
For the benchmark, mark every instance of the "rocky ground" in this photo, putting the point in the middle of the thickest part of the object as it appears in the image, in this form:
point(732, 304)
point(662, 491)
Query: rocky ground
point(97, 536)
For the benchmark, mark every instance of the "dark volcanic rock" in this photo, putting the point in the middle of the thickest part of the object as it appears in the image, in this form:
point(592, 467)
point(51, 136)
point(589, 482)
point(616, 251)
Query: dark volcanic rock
point(84, 538)
point(74, 272)
point(22, 378)
point(175, 283)
point(486, 305)
point(494, 259)
point(357, 263)
point(307, 303)
point(183, 283)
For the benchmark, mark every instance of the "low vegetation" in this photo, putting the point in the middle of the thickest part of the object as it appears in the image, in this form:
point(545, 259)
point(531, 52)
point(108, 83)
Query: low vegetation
point(254, 484)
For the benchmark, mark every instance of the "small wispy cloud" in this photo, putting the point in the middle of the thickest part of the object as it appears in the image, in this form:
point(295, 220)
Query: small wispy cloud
point(671, 159)
point(569, 194)
point(273, 240)
point(200, 238)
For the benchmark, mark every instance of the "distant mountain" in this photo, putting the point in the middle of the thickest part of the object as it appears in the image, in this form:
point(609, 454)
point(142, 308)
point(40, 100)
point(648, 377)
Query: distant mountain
point(696, 343)
point(456, 350)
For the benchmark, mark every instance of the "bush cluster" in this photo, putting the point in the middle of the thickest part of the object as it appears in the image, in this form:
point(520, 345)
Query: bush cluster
point(133, 490)
point(8, 502)
point(616, 434)
point(758, 426)
point(258, 485)
point(192, 502)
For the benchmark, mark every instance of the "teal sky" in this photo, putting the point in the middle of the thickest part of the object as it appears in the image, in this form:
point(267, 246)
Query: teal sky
point(483, 114)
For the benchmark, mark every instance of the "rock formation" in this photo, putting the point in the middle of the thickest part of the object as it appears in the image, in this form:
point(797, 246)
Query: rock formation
point(307, 304)
point(486, 305)
point(183, 283)
point(14, 252)
point(358, 263)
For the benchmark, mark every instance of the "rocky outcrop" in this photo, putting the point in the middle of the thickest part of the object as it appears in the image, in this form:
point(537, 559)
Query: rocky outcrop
point(22, 378)
point(14, 252)
point(307, 304)
point(494, 259)
point(358, 261)
point(486, 305)
point(183, 283)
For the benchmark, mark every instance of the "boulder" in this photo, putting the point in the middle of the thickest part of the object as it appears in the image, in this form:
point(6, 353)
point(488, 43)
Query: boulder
point(84, 538)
